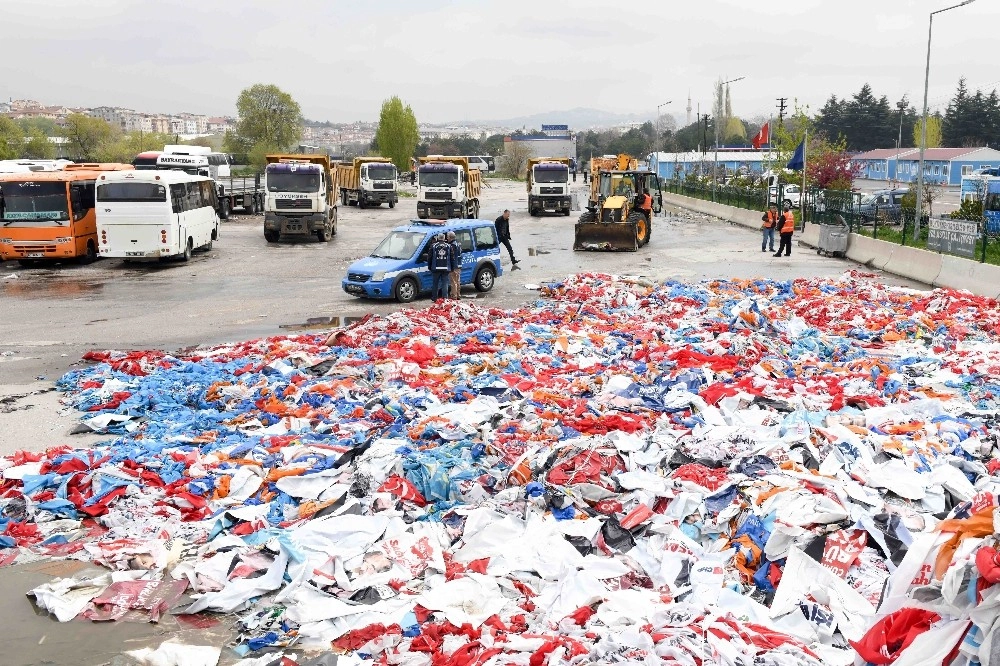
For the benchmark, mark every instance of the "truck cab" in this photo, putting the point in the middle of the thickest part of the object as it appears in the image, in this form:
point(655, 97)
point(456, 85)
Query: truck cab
point(447, 188)
point(299, 198)
point(548, 186)
point(378, 184)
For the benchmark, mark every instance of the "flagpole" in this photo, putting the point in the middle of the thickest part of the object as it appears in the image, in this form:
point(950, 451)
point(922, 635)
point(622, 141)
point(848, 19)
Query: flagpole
point(802, 194)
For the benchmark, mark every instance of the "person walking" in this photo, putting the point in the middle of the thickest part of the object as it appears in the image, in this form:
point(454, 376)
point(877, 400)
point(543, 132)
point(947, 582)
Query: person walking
point(768, 221)
point(503, 233)
point(786, 229)
point(456, 265)
point(440, 265)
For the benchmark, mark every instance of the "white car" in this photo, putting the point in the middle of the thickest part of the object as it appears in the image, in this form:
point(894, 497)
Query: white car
point(791, 195)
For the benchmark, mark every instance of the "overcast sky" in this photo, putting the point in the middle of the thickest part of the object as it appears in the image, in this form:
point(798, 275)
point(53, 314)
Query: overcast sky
point(488, 59)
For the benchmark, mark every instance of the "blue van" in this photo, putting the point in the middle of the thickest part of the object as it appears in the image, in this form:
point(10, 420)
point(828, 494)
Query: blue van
point(398, 266)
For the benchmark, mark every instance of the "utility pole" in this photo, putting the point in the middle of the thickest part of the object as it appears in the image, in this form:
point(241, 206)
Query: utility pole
point(715, 164)
point(781, 109)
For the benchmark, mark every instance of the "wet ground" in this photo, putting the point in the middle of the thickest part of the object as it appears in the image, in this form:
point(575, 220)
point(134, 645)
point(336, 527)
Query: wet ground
point(246, 287)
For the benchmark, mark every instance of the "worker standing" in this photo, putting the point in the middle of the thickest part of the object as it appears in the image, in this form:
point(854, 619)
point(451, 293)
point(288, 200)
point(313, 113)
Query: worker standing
point(787, 227)
point(456, 266)
point(440, 265)
point(768, 221)
point(502, 224)
point(646, 204)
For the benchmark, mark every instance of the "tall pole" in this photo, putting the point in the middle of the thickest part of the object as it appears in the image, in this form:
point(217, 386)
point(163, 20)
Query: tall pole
point(899, 142)
point(658, 107)
point(715, 164)
point(923, 122)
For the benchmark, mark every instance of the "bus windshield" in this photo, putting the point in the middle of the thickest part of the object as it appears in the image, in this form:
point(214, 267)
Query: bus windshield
point(135, 192)
point(30, 200)
point(292, 182)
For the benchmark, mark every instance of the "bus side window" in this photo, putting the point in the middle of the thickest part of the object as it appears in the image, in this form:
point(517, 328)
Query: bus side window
point(177, 196)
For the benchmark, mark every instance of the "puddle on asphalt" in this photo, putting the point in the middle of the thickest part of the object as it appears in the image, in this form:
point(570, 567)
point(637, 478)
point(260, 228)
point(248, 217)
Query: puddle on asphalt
point(33, 637)
point(31, 288)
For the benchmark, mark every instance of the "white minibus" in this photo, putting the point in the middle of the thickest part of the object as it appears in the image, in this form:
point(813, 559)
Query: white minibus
point(155, 214)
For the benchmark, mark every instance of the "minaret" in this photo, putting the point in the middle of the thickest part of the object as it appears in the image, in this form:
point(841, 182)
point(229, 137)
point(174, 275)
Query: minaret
point(688, 109)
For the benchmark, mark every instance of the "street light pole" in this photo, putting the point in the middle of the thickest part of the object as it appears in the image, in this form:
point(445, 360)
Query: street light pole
point(715, 164)
point(901, 105)
point(923, 122)
point(658, 107)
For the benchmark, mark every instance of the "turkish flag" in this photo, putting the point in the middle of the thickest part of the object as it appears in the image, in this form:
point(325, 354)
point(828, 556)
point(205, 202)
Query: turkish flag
point(762, 137)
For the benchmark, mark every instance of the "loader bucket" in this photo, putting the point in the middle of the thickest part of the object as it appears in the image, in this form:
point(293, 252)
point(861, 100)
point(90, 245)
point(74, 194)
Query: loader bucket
point(606, 236)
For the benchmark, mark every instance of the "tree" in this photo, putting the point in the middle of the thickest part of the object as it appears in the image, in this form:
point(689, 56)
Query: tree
point(397, 135)
point(516, 156)
point(86, 136)
point(933, 131)
point(268, 116)
point(11, 139)
point(829, 165)
point(46, 126)
point(38, 147)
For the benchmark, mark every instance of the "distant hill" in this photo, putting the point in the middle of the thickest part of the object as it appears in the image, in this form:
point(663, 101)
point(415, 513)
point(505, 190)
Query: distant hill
point(578, 119)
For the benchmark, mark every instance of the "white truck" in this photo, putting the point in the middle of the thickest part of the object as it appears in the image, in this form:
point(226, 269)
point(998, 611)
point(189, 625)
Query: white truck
point(548, 185)
point(368, 181)
point(231, 192)
point(301, 197)
point(447, 188)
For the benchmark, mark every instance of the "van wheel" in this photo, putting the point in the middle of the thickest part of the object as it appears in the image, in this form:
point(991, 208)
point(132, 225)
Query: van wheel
point(406, 290)
point(485, 278)
point(188, 249)
point(271, 236)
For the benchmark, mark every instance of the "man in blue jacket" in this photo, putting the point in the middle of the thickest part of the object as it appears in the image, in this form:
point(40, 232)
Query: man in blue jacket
point(440, 264)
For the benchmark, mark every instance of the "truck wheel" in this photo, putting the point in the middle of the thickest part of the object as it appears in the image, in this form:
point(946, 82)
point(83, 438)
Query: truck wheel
point(323, 235)
point(475, 210)
point(224, 210)
point(406, 290)
point(485, 278)
point(271, 236)
point(343, 197)
point(392, 203)
point(566, 212)
point(361, 202)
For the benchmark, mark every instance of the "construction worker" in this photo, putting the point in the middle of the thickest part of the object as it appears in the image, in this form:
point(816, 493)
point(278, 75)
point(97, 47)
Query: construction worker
point(768, 221)
point(456, 266)
point(786, 229)
point(646, 204)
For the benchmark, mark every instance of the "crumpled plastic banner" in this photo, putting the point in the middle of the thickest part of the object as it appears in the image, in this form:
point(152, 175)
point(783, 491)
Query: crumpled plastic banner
point(726, 472)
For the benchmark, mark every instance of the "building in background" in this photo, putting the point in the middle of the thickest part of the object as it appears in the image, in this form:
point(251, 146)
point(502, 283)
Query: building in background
point(551, 141)
point(942, 166)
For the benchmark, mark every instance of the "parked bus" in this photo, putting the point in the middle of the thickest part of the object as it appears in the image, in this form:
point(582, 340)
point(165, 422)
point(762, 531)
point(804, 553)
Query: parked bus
point(196, 160)
point(50, 215)
point(26, 166)
point(155, 214)
point(146, 160)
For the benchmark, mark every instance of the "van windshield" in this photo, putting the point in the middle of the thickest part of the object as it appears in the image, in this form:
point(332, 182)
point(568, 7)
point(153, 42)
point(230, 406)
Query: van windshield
point(399, 245)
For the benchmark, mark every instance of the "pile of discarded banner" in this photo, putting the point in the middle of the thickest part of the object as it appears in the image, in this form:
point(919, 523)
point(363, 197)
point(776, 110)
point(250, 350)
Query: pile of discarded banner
point(729, 472)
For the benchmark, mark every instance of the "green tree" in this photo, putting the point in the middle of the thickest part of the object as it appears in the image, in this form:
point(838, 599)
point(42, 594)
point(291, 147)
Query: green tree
point(87, 136)
point(933, 131)
point(268, 116)
point(11, 139)
point(397, 135)
point(46, 126)
point(38, 147)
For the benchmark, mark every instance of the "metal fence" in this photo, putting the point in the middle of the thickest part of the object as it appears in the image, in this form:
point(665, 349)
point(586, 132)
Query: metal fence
point(891, 223)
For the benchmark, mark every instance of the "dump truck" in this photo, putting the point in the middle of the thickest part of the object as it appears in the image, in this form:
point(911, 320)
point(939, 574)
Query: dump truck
point(300, 197)
point(447, 188)
point(368, 181)
point(613, 219)
point(548, 185)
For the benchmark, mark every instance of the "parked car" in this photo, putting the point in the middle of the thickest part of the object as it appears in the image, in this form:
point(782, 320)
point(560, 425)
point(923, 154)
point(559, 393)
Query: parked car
point(883, 205)
point(398, 268)
point(791, 195)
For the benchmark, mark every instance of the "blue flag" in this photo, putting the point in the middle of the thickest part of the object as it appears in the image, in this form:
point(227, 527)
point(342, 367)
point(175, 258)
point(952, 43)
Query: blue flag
point(798, 160)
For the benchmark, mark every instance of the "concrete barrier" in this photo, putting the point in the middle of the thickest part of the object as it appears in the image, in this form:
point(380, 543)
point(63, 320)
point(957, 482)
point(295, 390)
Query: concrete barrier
point(868, 251)
point(911, 262)
point(958, 273)
point(808, 236)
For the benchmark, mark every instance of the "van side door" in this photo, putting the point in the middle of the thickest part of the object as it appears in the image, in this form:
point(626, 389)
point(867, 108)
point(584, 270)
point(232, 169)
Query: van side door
point(469, 255)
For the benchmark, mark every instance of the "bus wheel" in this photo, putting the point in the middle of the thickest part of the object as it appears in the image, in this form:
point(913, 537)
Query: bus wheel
point(27, 263)
point(91, 255)
point(188, 249)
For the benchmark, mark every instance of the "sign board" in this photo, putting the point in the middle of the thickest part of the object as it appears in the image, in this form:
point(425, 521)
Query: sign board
point(953, 237)
point(555, 128)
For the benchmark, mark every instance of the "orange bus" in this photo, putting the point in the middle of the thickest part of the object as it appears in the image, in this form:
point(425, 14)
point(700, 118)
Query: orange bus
point(50, 215)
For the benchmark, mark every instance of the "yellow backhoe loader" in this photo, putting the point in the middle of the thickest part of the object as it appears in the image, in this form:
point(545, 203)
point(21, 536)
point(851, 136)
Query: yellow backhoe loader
point(613, 219)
